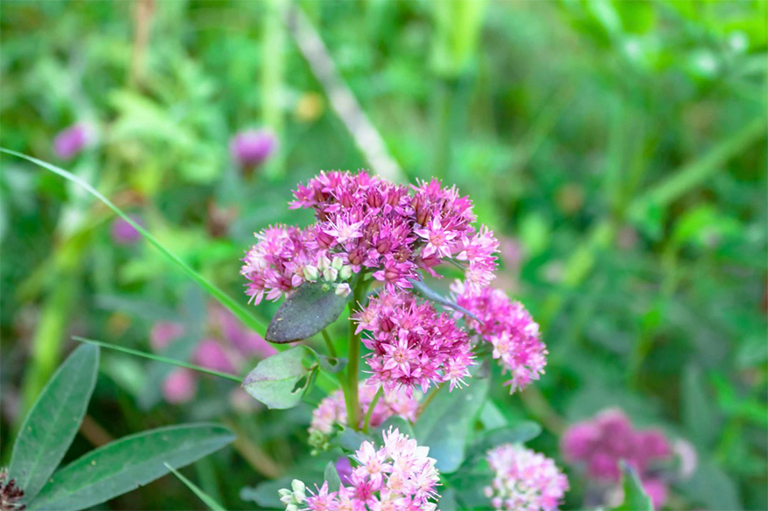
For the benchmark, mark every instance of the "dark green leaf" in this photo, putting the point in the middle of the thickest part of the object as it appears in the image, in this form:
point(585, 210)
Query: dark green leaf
point(445, 423)
point(128, 463)
point(280, 380)
point(635, 498)
point(699, 410)
point(53, 422)
point(207, 499)
point(712, 488)
point(332, 476)
point(312, 307)
point(265, 494)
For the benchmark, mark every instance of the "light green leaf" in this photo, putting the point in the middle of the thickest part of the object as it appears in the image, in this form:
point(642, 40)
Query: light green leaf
point(234, 306)
point(519, 433)
point(128, 463)
point(331, 475)
point(280, 380)
point(212, 504)
point(445, 424)
point(53, 422)
point(635, 498)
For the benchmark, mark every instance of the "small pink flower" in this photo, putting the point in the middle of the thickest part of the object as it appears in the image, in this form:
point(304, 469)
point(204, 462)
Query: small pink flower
point(180, 386)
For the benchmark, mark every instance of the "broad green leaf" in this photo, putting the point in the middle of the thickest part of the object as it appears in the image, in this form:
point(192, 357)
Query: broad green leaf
point(207, 500)
point(53, 421)
point(635, 498)
point(445, 424)
point(700, 414)
point(350, 440)
point(128, 463)
point(280, 380)
point(395, 422)
point(519, 433)
point(265, 494)
point(331, 475)
point(312, 307)
point(711, 488)
point(234, 306)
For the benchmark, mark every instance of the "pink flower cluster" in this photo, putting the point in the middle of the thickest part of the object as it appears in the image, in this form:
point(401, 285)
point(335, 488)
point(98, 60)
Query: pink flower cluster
point(371, 224)
point(412, 344)
point(226, 349)
point(524, 479)
point(400, 476)
point(508, 326)
point(332, 410)
point(600, 444)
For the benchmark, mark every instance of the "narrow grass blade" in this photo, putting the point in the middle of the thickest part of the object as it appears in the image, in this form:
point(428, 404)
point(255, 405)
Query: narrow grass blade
point(207, 500)
point(158, 358)
point(235, 307)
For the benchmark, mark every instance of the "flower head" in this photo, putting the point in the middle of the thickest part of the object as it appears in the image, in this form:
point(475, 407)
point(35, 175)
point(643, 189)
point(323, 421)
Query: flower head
point(396, 476)
point(251, 148)
point(510, 330)
point(524, 479)
point(412, 344)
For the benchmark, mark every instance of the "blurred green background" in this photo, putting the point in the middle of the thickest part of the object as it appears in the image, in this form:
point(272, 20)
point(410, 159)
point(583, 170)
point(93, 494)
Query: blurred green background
point(618, 149)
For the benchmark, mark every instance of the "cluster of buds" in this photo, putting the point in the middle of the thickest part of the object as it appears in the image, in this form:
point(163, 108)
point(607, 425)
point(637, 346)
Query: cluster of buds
point(294, 497)
point(330, 271)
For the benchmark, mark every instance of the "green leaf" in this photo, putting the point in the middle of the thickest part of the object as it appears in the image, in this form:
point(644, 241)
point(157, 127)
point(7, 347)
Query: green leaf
point(280, 380)
point(445, 424)
point(711, 487)
point(635, 498)
point(426, 292)
point(234, 306)
point(312, 307)
point(53, 421)
point(207, 500)
point(699, 409)
point(350, 440)
point(332, 476)
point(128, 463)
point(395, 422)
point(519, 433)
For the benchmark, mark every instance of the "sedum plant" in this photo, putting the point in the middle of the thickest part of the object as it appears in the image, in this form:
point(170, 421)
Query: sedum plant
point(415, 429)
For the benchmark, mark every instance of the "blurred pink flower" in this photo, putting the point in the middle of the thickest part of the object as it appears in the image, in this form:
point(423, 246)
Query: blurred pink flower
point(180, 386)
point(123, 233)
point(250, 148)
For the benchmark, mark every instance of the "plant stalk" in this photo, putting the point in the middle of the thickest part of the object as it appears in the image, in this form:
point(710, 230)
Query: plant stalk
point(353, 391)
point(374, 402)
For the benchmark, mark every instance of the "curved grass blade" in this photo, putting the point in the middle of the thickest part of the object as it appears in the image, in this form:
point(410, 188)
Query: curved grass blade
point(53, 421)
point(207, 500)
point(128, 463)
point(158, 358)
point(235, 307)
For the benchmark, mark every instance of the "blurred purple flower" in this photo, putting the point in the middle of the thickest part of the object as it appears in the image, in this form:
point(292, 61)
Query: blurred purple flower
point(69, 142)
point(245, 340)
point(124, 233)
point(250, 148)
point(163, 333)
point(344, 469)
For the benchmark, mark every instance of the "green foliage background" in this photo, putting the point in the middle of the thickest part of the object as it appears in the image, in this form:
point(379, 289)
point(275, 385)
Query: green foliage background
point(619, 148)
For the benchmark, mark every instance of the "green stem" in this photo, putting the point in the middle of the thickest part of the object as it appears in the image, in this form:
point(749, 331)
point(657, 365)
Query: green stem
point(374, 402)
point(329, 343)
point(272, 78)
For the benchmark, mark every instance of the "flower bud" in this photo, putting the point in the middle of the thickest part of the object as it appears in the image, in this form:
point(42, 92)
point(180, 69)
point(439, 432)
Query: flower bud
point(345, 272)
point(330, 274)
point(343, 289)
point(69, 142)
point(311, 273)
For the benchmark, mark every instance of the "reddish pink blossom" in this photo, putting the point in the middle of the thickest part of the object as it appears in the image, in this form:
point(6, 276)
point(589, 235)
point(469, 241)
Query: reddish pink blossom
point(510, 330)
point(412, 344)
